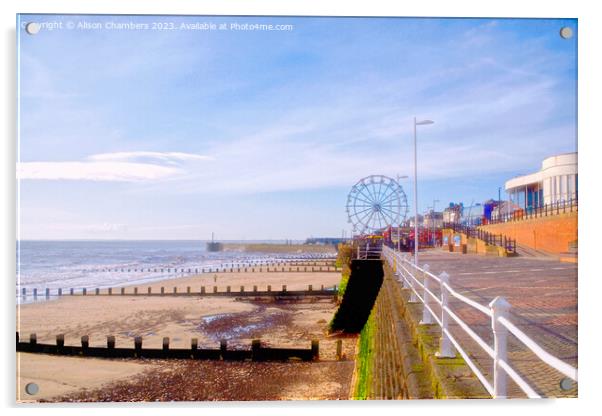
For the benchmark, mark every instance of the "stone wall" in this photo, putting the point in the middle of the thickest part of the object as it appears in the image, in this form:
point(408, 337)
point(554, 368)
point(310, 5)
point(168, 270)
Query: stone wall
point(397, 355)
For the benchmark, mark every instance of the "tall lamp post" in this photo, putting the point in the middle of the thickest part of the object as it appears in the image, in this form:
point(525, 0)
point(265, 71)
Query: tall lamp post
point(434, 238)
point(417, 123)
point(399, 178)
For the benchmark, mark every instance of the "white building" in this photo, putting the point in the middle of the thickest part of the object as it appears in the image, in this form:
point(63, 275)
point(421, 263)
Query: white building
point(433, 219)
point(555, 182)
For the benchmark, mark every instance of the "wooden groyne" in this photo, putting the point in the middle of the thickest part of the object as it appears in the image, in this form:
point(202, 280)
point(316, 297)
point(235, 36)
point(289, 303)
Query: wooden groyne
point(257, 351)
point(204, 291)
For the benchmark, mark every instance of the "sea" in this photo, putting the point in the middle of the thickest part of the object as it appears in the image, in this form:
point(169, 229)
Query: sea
point(52, 265)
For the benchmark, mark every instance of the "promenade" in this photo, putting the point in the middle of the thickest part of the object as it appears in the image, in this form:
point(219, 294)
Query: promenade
point(543, 295)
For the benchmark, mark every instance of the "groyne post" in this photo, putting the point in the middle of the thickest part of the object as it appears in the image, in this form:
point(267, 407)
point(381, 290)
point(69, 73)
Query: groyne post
point(315, 349)
point(223, 347)
point(110, 342)
point(255, 349)
point(138, 346)
point(85, 343)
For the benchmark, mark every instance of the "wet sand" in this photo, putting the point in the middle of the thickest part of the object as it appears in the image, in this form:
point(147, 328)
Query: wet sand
point(181, 318)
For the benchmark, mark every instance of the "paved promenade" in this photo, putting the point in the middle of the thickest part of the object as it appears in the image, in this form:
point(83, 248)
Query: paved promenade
point(543, 295)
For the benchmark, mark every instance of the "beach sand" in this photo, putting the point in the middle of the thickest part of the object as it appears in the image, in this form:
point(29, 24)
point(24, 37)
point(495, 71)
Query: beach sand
point(57, 376)
point(180, 318)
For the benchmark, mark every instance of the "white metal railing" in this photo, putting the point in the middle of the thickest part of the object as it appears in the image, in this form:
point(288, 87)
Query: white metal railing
point(367, 251)
point(420, 291)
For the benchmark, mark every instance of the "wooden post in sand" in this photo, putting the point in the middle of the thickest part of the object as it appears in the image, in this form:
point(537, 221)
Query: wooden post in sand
point(110, 291)
point(71, 291)
point(33, 339)
point(194, 344)
point(138, 346)
point(85, 343)
point(97, 291)
point(255, 349)
point(149, 290)
point(165, 343)
point(254, 288)
point(214, 289)
point(202, 290)
point(123, 290)
point(309, 288)
point(227, 289)
point(269, 288)
point(339, 349)
point(60, 340)
point(110, 342)
point(284, 288)
point(315, 349)
point(60, 293)
point(188, 290)
point(242, 289)
point(223, 347)
point(175, 290)
point(162, 290)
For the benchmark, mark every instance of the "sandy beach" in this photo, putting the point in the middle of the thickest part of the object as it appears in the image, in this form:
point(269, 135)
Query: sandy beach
point(209, 319)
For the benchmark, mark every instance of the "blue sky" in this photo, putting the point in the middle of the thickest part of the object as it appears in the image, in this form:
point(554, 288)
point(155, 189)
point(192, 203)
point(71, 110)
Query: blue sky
point(148, 134)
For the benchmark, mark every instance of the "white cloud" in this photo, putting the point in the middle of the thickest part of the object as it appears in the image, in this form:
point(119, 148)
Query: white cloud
point(168, 157)
point(94, 171)
point(113, 167)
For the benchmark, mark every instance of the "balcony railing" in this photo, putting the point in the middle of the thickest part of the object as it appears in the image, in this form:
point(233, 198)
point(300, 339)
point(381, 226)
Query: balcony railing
point(546, 210)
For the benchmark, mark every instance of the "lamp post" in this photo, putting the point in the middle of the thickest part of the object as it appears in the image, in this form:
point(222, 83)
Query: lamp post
point(399, 177)
point(417, 123)
point(434, 239)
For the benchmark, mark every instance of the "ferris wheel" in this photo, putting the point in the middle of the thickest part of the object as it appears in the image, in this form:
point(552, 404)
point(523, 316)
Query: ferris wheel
point(375, 202)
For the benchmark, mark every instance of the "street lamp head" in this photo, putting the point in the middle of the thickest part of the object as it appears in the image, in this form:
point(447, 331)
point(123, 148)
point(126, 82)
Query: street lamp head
point(424, 122)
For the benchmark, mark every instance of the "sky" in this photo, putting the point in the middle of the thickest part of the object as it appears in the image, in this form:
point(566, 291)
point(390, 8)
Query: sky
point(175, 132)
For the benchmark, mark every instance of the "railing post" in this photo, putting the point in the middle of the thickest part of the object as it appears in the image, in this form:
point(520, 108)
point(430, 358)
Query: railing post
point(446, 350)
point(413, 297)
point(499, 308)
point(426, 315)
